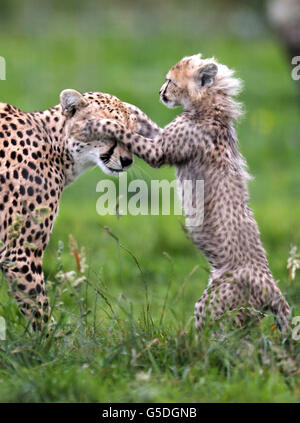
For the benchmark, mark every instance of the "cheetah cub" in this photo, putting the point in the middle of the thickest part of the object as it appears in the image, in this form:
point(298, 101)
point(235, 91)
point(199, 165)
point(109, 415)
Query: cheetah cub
point(202, 144)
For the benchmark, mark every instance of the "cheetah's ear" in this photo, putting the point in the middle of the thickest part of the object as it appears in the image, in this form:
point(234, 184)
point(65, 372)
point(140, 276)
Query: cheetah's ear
point(206, 75)
point(71, 101)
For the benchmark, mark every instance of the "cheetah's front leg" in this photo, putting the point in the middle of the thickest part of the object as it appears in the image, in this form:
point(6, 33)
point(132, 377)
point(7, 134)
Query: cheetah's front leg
point(22, 267)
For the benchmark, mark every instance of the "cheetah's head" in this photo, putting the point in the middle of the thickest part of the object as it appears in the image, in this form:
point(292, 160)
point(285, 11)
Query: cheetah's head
point(193, 78)
point(83, 111)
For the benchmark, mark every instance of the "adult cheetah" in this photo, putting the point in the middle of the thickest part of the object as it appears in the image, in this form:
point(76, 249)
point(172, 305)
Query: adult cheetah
point(201, 143)
point(40, 154)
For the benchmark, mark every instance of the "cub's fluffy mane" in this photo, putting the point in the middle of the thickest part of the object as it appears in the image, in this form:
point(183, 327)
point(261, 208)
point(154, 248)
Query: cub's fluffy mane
point(221, 93)
point(225, 79)
point(224, 88)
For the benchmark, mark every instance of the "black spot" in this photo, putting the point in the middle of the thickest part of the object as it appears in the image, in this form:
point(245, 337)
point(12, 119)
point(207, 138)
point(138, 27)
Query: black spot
point(25, 173)
point(21, 286)
point(30, 191)
point(25, 269)
point(32, 165)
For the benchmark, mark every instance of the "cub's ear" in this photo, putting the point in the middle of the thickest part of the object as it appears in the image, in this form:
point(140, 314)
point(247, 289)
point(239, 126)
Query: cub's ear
point(71, 101)
point(206, 75)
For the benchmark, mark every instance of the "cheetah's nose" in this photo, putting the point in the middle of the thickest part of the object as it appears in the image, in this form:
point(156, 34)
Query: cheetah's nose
point(125, 161)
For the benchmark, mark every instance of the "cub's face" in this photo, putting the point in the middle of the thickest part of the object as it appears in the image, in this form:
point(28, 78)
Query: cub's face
point(187, 80)
point(171, 93)
point(87, 149)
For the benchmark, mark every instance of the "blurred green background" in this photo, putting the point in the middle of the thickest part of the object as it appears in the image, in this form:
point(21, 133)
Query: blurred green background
point(126, 48)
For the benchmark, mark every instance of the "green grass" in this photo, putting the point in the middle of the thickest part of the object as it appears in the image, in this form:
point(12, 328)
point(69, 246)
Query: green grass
point(126, 333)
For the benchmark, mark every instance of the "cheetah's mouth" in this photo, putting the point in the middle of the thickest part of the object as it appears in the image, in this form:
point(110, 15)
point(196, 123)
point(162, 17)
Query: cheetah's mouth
point(116, 170)
point(113, 171)
point(113, 165)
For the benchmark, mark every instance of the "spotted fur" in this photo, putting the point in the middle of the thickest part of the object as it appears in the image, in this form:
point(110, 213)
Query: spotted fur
point(201, 143)
point(40, 154)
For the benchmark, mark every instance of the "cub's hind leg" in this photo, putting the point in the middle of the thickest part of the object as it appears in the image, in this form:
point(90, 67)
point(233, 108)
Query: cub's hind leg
point(220, 299)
